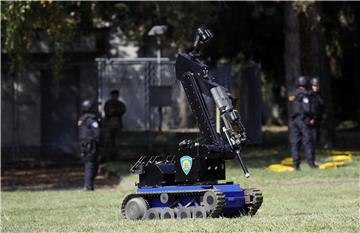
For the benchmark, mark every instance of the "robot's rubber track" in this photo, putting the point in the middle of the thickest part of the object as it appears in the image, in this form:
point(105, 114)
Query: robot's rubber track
point(214, 213)
point(253, 200)
point(221, 202)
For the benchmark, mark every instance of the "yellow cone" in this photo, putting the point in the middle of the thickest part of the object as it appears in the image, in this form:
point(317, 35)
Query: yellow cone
point(280, 168)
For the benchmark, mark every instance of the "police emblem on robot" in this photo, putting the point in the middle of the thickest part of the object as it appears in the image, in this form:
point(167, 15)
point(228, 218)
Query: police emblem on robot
point(186, 164)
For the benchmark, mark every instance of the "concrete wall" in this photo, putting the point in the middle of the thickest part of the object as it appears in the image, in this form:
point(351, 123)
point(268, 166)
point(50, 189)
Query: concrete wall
point(21, 110)
point(7, 116)
point(38, 115)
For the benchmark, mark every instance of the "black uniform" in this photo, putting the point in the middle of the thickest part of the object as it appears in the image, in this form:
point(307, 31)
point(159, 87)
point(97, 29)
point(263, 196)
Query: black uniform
point(300, 132)
point(317, 109)
point(89, 138)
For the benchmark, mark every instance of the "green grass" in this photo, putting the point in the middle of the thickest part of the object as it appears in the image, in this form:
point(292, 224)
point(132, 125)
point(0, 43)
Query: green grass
point(306, 201)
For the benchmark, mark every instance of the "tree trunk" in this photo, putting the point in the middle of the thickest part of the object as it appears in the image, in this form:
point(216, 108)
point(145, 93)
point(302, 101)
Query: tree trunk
point(291, 50)
point(356, 70)
point(315, 63)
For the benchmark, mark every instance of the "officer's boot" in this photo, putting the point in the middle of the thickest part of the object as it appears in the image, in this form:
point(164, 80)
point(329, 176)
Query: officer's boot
point(296, 161)
point(311, 162)
point(313, 165)
point(297, 166)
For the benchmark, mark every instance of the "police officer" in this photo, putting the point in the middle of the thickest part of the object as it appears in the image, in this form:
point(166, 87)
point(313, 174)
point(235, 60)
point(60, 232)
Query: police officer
point(300, 133)
point(317, 110)
point(89, 138)
point(114, 110)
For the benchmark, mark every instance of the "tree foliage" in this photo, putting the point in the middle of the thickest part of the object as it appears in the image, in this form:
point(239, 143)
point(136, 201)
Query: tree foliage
point(16, 32)
point(20, 22)
point(245, 31)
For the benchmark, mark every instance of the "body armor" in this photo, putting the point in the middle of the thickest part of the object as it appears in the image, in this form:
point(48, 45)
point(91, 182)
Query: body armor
point(89, 134)
point(300, 103)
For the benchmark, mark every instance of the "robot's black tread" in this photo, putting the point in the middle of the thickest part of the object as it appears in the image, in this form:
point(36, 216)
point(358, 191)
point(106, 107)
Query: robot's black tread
point(254, 202)
point(221, 201)
point(215, 213)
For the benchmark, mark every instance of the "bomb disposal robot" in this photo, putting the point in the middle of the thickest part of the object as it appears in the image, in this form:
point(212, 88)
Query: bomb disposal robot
point(185, 185)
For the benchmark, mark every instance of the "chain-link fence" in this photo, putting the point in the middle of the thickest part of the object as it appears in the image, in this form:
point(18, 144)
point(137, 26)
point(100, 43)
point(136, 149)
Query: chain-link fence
point(148, 88)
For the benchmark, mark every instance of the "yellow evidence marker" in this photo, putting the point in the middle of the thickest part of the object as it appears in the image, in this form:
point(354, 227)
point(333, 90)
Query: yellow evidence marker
point(342, 158)
point(280, 168)
point(337, 160)
point(331, 165)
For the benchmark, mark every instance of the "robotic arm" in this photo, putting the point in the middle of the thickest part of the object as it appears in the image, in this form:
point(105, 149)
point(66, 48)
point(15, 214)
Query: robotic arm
point(233, 127)
point(200, 90)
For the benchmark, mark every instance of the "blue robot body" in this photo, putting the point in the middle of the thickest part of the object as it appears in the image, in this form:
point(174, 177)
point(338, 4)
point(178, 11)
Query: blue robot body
point(234, 195)
point(185, 185)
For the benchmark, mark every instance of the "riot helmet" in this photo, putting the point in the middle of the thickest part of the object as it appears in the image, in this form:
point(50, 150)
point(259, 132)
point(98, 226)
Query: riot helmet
point(315, 81)
point(302, 81)
point(88, 105)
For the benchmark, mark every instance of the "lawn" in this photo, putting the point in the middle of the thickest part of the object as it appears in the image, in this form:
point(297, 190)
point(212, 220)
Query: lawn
point(306, 201)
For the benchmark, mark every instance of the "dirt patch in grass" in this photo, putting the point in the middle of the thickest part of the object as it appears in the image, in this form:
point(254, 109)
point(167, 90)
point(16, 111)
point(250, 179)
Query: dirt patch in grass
point(36, 179)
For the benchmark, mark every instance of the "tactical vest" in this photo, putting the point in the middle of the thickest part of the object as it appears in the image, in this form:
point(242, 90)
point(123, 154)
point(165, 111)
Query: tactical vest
point(86, 130)
point(300, 104)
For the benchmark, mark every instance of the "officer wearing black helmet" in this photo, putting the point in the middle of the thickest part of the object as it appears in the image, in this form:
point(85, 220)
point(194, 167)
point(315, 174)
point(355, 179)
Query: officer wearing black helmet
point(317, 109)
point(300, 133)
point(89, 139)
